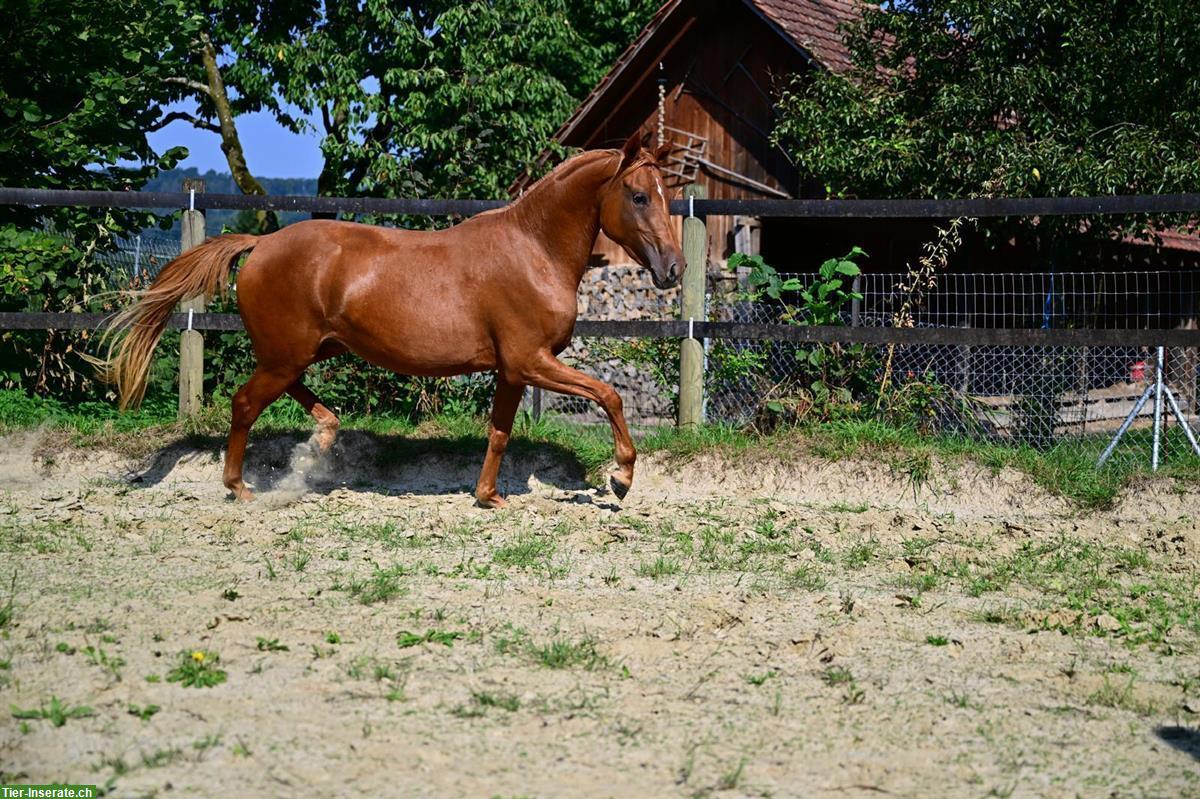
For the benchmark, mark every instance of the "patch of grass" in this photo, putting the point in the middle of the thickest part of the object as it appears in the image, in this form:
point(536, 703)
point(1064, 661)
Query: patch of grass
point(960, 699)
point(511, 640)
point(381, 586)
point(109, 663)
point(526, 553)
point(482, 701)
point(405, 639)
point(661, 567)
point(733, 777)
point(143, 713)
point(937, 640)
point(805, 577)
point(299, 559)
point(564, 653)
point(1089, 581)
point(758, 679)
point(852, 693)
point(860, 554)
point(270, 645)
point(207, 742)
point(836, 675)
point(56, 712)
point(198, 669)
point(919, 582)
point(391, 677)
point(161, 757)
point(915, 464)
point(387, 533)
point(1121, 697)
point(8, 609)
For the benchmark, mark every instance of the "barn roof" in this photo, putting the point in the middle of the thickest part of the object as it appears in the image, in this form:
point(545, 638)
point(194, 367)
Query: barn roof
point(810, 26)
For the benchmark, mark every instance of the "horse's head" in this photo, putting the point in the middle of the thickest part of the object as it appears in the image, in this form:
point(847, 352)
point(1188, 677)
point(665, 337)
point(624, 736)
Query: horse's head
point(634, 212)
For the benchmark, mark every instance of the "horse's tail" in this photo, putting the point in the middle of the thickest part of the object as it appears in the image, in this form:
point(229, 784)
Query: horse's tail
point(133, 333)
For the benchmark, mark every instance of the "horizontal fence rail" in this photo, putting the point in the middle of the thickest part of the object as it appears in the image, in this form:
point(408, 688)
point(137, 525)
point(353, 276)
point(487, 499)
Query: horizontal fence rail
point(1036, 360)
point(812, 209)
point(901, 336)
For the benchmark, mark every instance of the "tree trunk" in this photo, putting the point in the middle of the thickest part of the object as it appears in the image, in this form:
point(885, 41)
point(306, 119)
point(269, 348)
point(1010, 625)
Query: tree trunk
point(327, 181)
point(231, 144)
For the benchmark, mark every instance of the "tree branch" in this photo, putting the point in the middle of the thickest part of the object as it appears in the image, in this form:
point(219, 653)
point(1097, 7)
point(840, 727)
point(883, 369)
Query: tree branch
point(377, 135)
point(175, 116)
point(191, 84)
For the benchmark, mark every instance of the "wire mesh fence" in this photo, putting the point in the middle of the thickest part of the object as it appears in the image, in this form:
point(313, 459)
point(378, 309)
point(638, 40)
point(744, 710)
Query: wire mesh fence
point(138, 260)
point(1043, 397)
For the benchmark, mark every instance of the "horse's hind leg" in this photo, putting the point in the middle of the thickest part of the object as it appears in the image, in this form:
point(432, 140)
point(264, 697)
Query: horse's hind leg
point(263, 388)
point(546, 371)
point(327, 422)
point(504, 408)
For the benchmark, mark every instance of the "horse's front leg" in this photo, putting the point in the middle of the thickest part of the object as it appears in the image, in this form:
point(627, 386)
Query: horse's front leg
point(548, 372)
point(504, 408)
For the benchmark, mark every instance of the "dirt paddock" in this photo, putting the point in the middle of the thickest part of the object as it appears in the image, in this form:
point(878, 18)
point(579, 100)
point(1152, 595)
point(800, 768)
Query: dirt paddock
point(744, 627)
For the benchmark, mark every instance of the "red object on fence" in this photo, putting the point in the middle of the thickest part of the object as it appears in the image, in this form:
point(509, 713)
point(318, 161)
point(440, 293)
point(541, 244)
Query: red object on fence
point(1137, 372)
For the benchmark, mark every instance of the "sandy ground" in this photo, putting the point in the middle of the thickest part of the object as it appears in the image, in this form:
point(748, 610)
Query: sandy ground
point(755, 628)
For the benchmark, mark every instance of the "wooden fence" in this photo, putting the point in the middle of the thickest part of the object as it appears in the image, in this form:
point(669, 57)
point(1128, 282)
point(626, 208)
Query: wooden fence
point(692, 327)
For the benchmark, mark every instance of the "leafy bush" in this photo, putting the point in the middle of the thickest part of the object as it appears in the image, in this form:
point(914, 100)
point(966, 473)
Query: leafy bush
point(829, 379)
point(41, 272)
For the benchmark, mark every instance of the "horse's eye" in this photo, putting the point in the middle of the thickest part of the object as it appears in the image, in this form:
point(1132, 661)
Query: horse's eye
point(641, 199)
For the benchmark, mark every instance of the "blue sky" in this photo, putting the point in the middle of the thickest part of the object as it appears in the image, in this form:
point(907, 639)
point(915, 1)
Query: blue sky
point(271, 151)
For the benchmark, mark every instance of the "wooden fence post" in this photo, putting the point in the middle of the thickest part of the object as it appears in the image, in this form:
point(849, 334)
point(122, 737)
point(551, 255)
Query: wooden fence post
point(191, 342)
point(691, 350)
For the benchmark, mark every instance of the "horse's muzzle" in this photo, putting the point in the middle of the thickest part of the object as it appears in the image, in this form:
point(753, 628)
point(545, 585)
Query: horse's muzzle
point(667, 271)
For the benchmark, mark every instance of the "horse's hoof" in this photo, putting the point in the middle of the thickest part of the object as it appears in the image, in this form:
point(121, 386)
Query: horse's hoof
point(325, 439)
point(242, 494)
point(496, 502)
point(618, 488)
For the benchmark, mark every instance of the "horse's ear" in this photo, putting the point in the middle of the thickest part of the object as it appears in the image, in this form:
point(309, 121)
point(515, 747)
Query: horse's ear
point(662, 153)
point(633, 146)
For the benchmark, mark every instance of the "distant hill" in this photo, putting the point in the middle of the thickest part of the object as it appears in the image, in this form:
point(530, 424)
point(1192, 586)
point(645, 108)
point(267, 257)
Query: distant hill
point(222, 183)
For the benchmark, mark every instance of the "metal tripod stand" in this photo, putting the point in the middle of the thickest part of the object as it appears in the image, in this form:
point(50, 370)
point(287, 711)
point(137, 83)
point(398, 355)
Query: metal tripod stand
point(1158, 388)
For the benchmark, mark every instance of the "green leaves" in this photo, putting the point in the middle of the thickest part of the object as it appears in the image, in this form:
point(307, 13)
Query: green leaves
point(1006, 98)
point(444, 98)
point(826, 376)
point(77, 107)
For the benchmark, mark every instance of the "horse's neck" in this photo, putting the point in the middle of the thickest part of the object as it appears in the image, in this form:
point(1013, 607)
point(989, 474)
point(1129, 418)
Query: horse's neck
point(562, 211)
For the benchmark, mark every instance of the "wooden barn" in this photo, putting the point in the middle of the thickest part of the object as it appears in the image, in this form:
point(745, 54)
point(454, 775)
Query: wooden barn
point(705, 73)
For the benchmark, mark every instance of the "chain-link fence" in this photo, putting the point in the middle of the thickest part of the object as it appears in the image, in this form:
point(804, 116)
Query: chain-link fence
point(137, 260)
point(1043, 397)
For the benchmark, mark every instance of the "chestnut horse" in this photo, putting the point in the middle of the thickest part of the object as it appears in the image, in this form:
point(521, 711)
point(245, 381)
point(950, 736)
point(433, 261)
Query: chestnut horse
point(494, 293)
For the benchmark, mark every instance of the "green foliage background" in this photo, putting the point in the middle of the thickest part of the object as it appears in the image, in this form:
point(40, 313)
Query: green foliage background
point(441, 99)
point(1011, 98)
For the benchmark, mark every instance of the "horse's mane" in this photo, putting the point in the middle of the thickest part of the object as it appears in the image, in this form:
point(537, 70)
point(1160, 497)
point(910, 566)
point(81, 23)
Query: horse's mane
point(564, 170)
point(569, 167)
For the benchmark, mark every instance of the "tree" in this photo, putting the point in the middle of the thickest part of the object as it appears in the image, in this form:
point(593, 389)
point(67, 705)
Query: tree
point(208, 69)
point(81, 84)
point(444, 98)
point(959, 98)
